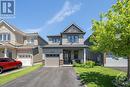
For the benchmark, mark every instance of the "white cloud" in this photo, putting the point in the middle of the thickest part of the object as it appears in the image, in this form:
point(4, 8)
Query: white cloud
point(67, 10)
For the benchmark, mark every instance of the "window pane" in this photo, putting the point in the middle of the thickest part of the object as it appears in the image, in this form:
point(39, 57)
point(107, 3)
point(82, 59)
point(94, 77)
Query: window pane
point(4, 37)
point(0, 37)
point(52, 55)
point(73, 38)
point(55, 40)
point(8, 36)
point(76, 38)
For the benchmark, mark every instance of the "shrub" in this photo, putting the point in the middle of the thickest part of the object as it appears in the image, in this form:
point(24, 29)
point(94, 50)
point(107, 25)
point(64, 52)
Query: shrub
point(76, 65)
point(121, 80)
point(88, 64)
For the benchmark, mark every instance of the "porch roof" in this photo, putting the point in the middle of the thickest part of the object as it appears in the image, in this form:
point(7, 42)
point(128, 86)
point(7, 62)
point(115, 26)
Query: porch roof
point(8, 45)
point(26, 46)
point(65, 46)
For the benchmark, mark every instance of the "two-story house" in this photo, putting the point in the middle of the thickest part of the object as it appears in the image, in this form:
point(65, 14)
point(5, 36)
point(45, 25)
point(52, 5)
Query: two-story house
point(65, 48)
point(19, 45)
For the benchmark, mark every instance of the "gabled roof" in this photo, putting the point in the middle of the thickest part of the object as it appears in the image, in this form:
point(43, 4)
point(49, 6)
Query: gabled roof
point(87, 41)
point(54, 35)
point(32, 34)
point(5, 44)
point(13, 28)
point(73, 28)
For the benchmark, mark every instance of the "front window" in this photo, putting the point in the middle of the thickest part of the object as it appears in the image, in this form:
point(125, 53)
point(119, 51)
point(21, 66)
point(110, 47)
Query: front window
point(73, 38)
point(4, 37)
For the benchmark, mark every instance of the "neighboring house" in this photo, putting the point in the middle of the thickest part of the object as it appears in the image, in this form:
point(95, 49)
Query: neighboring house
point(19, 45)
point(91, 55)
point(65, 48)
point(112, 61)
point(107, 60)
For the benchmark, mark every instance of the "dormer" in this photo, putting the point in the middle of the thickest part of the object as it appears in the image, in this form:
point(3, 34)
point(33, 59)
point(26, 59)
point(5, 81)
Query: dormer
point(54, 39)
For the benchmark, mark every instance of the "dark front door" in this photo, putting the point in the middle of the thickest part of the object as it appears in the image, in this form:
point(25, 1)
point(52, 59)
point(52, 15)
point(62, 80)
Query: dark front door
point(67, 57)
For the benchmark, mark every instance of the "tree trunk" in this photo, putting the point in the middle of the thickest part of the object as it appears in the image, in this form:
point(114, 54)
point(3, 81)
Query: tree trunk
point(104, 58)
point(128, 70)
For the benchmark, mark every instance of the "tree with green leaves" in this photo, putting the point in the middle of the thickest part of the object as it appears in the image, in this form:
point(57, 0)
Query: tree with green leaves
point(112, 32)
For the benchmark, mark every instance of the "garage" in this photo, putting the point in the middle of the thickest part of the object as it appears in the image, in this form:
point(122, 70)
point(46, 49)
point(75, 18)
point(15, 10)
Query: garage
point(52, 60)
point(26, 59)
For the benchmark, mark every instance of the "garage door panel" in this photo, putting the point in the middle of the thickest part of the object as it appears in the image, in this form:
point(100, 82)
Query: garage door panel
point(52, 62)
point(26, 59)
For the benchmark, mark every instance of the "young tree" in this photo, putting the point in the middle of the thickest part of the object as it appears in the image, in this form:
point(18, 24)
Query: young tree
point(112, 32)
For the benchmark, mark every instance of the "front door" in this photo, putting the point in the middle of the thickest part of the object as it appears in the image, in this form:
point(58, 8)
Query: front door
point(67, 57)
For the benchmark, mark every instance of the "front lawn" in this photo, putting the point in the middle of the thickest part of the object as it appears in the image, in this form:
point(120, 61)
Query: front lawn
point(98, 76)
point(6, 78)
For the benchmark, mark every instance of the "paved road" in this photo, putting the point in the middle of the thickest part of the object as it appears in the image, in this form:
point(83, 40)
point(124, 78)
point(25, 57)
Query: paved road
point(47, 77)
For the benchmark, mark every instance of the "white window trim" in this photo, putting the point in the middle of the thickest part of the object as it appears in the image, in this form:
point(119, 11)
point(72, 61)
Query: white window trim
point(7, 36)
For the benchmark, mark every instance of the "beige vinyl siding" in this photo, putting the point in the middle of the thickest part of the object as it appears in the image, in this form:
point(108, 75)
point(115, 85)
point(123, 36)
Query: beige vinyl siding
point(19, 38)
point(65, 40)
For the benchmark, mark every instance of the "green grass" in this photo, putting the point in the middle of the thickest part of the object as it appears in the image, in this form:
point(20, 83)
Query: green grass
point(97, 76)
point(6, 78)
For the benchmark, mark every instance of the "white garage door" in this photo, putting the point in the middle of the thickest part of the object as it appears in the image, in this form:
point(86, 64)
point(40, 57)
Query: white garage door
point(26, 59)
point(52, 60)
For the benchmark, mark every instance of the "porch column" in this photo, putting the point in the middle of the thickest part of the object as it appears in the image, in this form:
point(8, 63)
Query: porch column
point(84, 55)
point(5, 52)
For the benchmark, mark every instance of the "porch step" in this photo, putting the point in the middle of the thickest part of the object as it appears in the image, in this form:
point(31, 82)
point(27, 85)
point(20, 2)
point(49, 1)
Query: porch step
point(69, 65)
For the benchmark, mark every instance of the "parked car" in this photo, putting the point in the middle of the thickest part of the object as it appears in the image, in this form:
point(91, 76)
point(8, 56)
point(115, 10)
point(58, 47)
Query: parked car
point(9, 63)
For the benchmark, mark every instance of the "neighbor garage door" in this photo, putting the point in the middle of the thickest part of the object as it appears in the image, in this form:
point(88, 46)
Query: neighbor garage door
point(52, 60)
point(26, 59)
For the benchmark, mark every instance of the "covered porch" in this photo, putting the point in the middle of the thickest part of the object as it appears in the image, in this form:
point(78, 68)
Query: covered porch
point(74, 55)
point(7, 50)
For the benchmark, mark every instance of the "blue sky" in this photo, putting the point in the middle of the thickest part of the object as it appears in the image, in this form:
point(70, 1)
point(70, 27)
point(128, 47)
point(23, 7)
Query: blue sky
point(52, 16)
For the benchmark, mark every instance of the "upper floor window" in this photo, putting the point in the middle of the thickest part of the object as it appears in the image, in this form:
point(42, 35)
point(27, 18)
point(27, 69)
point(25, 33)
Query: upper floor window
point(30, 41)
point(4, 36)
point(55, 40)
point(73, 38)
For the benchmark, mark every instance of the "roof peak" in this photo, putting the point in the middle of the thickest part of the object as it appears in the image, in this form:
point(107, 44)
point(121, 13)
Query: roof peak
point(77, 27)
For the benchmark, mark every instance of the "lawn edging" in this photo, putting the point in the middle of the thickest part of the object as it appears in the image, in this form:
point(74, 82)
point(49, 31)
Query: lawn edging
point(10, 77)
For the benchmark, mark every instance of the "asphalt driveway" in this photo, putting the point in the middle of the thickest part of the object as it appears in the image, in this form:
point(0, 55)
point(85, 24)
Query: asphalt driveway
point(47, 77)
